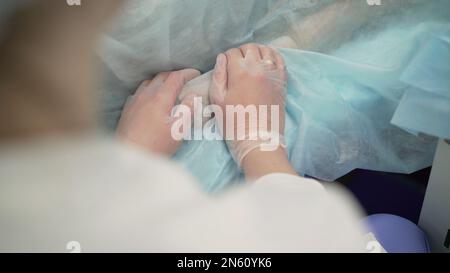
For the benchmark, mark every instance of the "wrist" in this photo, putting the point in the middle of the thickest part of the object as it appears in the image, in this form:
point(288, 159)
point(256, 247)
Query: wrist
point(259, 163)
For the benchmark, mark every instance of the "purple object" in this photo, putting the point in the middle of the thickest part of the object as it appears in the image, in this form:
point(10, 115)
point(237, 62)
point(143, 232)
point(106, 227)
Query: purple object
point(396, 234)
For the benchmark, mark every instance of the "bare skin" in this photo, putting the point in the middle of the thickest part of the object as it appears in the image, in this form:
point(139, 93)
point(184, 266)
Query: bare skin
point(146, 119)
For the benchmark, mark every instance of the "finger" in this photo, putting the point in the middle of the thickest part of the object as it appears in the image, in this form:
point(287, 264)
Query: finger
point(150, 86)
point(251, 52)
point(234, 53)
point(219, 80)
point(266, 53)
point(234, 58)
point(268, 57)
point(173, 85)
point(279, 60)
point(280, 66)
point(161, 77)
point(189, 74)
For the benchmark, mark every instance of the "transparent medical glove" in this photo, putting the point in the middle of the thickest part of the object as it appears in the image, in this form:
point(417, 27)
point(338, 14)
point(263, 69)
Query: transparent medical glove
point(249, 86)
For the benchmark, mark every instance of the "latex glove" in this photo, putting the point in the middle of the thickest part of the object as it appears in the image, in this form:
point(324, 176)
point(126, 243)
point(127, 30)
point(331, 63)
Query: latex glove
point(147, 119)
point(200, 86)
point(250, 75)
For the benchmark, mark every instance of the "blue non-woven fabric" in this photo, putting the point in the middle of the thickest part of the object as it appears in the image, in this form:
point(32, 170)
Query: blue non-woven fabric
point(339, 111)
point(425, 107)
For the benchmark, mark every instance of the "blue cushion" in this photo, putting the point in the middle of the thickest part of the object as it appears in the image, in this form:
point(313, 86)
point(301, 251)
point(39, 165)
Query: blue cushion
point(397, 234)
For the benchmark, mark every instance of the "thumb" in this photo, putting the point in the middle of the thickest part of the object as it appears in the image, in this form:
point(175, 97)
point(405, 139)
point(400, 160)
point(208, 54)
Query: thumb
point(219, 80)
point(173, 85)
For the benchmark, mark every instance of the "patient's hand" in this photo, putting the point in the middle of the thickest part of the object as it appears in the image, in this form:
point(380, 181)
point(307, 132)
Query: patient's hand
point(146, 119)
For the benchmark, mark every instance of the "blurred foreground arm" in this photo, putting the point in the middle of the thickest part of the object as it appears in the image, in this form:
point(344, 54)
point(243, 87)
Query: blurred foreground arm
point(46, 67)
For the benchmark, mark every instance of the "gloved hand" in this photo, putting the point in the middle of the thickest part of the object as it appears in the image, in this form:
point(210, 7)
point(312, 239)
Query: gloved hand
point(250, 76)
point(147, 119)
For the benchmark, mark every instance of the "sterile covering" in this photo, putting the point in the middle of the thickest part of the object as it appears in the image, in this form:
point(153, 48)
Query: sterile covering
point(349, 65)
point(368, 85)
